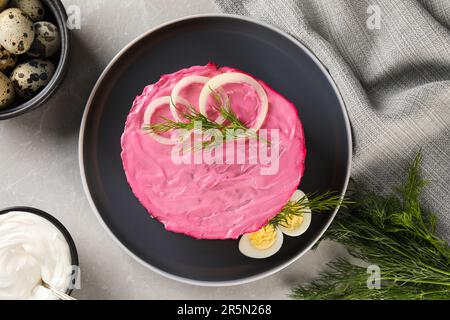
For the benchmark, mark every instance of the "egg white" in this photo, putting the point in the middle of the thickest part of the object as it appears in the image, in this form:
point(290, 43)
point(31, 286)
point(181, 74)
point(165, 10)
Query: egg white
point(307, 217)
point(247, 249)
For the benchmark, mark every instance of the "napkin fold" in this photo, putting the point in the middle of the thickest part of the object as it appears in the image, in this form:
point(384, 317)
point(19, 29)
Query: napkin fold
point(391, 62)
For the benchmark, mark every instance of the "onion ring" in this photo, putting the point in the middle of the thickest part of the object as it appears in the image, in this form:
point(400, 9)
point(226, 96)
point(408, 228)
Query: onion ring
point(184, 83)
point(179, 86)
point(151, 108)
point(235, 77)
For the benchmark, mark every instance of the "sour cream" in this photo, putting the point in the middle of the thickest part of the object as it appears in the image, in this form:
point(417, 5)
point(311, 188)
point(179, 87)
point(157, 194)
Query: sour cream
point(32, 249)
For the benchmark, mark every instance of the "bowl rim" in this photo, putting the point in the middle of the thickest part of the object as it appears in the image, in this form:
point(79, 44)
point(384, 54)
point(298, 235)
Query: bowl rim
point(60, 15)
point(102, 77)
point(47, 216)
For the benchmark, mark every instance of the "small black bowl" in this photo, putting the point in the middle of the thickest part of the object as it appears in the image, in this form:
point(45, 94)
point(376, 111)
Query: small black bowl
point(56, 223)
point(56, 13)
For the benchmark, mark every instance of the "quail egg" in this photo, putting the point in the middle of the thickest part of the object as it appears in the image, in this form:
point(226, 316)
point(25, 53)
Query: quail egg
point(33, 8)
point(296, 225)
point(47, 40)
point(3, 4)
point(7, 60)
point(6, 91)
point(16, 32)
point(261, 244)
point(31, 77)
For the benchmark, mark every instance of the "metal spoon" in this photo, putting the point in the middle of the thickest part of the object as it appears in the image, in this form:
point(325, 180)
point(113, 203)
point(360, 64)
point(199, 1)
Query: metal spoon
point(57, 293)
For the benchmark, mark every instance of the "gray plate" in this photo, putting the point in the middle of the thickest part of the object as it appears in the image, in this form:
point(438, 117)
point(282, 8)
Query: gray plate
point(270, 55)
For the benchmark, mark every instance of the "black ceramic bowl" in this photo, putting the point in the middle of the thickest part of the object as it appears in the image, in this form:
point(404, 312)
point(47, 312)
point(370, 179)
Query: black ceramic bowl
point(56, 223)
point(55, 13)
point(261, 50)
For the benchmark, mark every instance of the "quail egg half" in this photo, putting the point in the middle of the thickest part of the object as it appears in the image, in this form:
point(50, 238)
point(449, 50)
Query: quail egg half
point(33, 8)
point(261, 244)
point(6, 91)
point(31, 77)
point(7, 60)
point(296, 225)
point(47, 40)
point(268, 240)
point(17, 31)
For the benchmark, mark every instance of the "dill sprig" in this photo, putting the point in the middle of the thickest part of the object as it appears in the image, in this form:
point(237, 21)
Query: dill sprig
point(231, 129)
point(395, 233)
point(315, 202)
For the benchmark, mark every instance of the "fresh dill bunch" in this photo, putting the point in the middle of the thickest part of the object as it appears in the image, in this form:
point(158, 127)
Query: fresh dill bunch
point(231, 129)
point(394, 233)
point(346, 281)
point(315, 202)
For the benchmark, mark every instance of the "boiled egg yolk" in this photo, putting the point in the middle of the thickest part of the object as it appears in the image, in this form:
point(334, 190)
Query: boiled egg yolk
point(293, 221)
point(264, 238)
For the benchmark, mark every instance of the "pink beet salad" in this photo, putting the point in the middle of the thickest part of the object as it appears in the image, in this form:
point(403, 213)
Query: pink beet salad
point(198, 182)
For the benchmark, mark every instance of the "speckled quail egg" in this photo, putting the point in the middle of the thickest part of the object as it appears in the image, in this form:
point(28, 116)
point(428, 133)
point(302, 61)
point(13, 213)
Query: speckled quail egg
point(47, 40)
point(33, 8)
point(16, 32)
point(31, 77)
point(6, 91)
point(3, 4)
point(7, 60)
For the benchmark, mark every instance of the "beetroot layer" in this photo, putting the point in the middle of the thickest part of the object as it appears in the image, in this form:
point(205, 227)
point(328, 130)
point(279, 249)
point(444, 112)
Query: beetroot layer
point(211, 201)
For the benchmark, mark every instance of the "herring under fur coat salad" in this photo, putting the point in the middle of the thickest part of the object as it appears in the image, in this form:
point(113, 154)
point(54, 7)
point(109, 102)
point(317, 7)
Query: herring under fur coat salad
point(221, 199)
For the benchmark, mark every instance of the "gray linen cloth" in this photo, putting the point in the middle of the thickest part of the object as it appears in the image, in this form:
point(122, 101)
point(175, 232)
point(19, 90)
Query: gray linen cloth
point(391, 62)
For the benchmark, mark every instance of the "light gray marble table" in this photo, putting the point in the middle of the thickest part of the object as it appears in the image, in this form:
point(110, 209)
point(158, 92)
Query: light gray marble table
point(39, 164)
